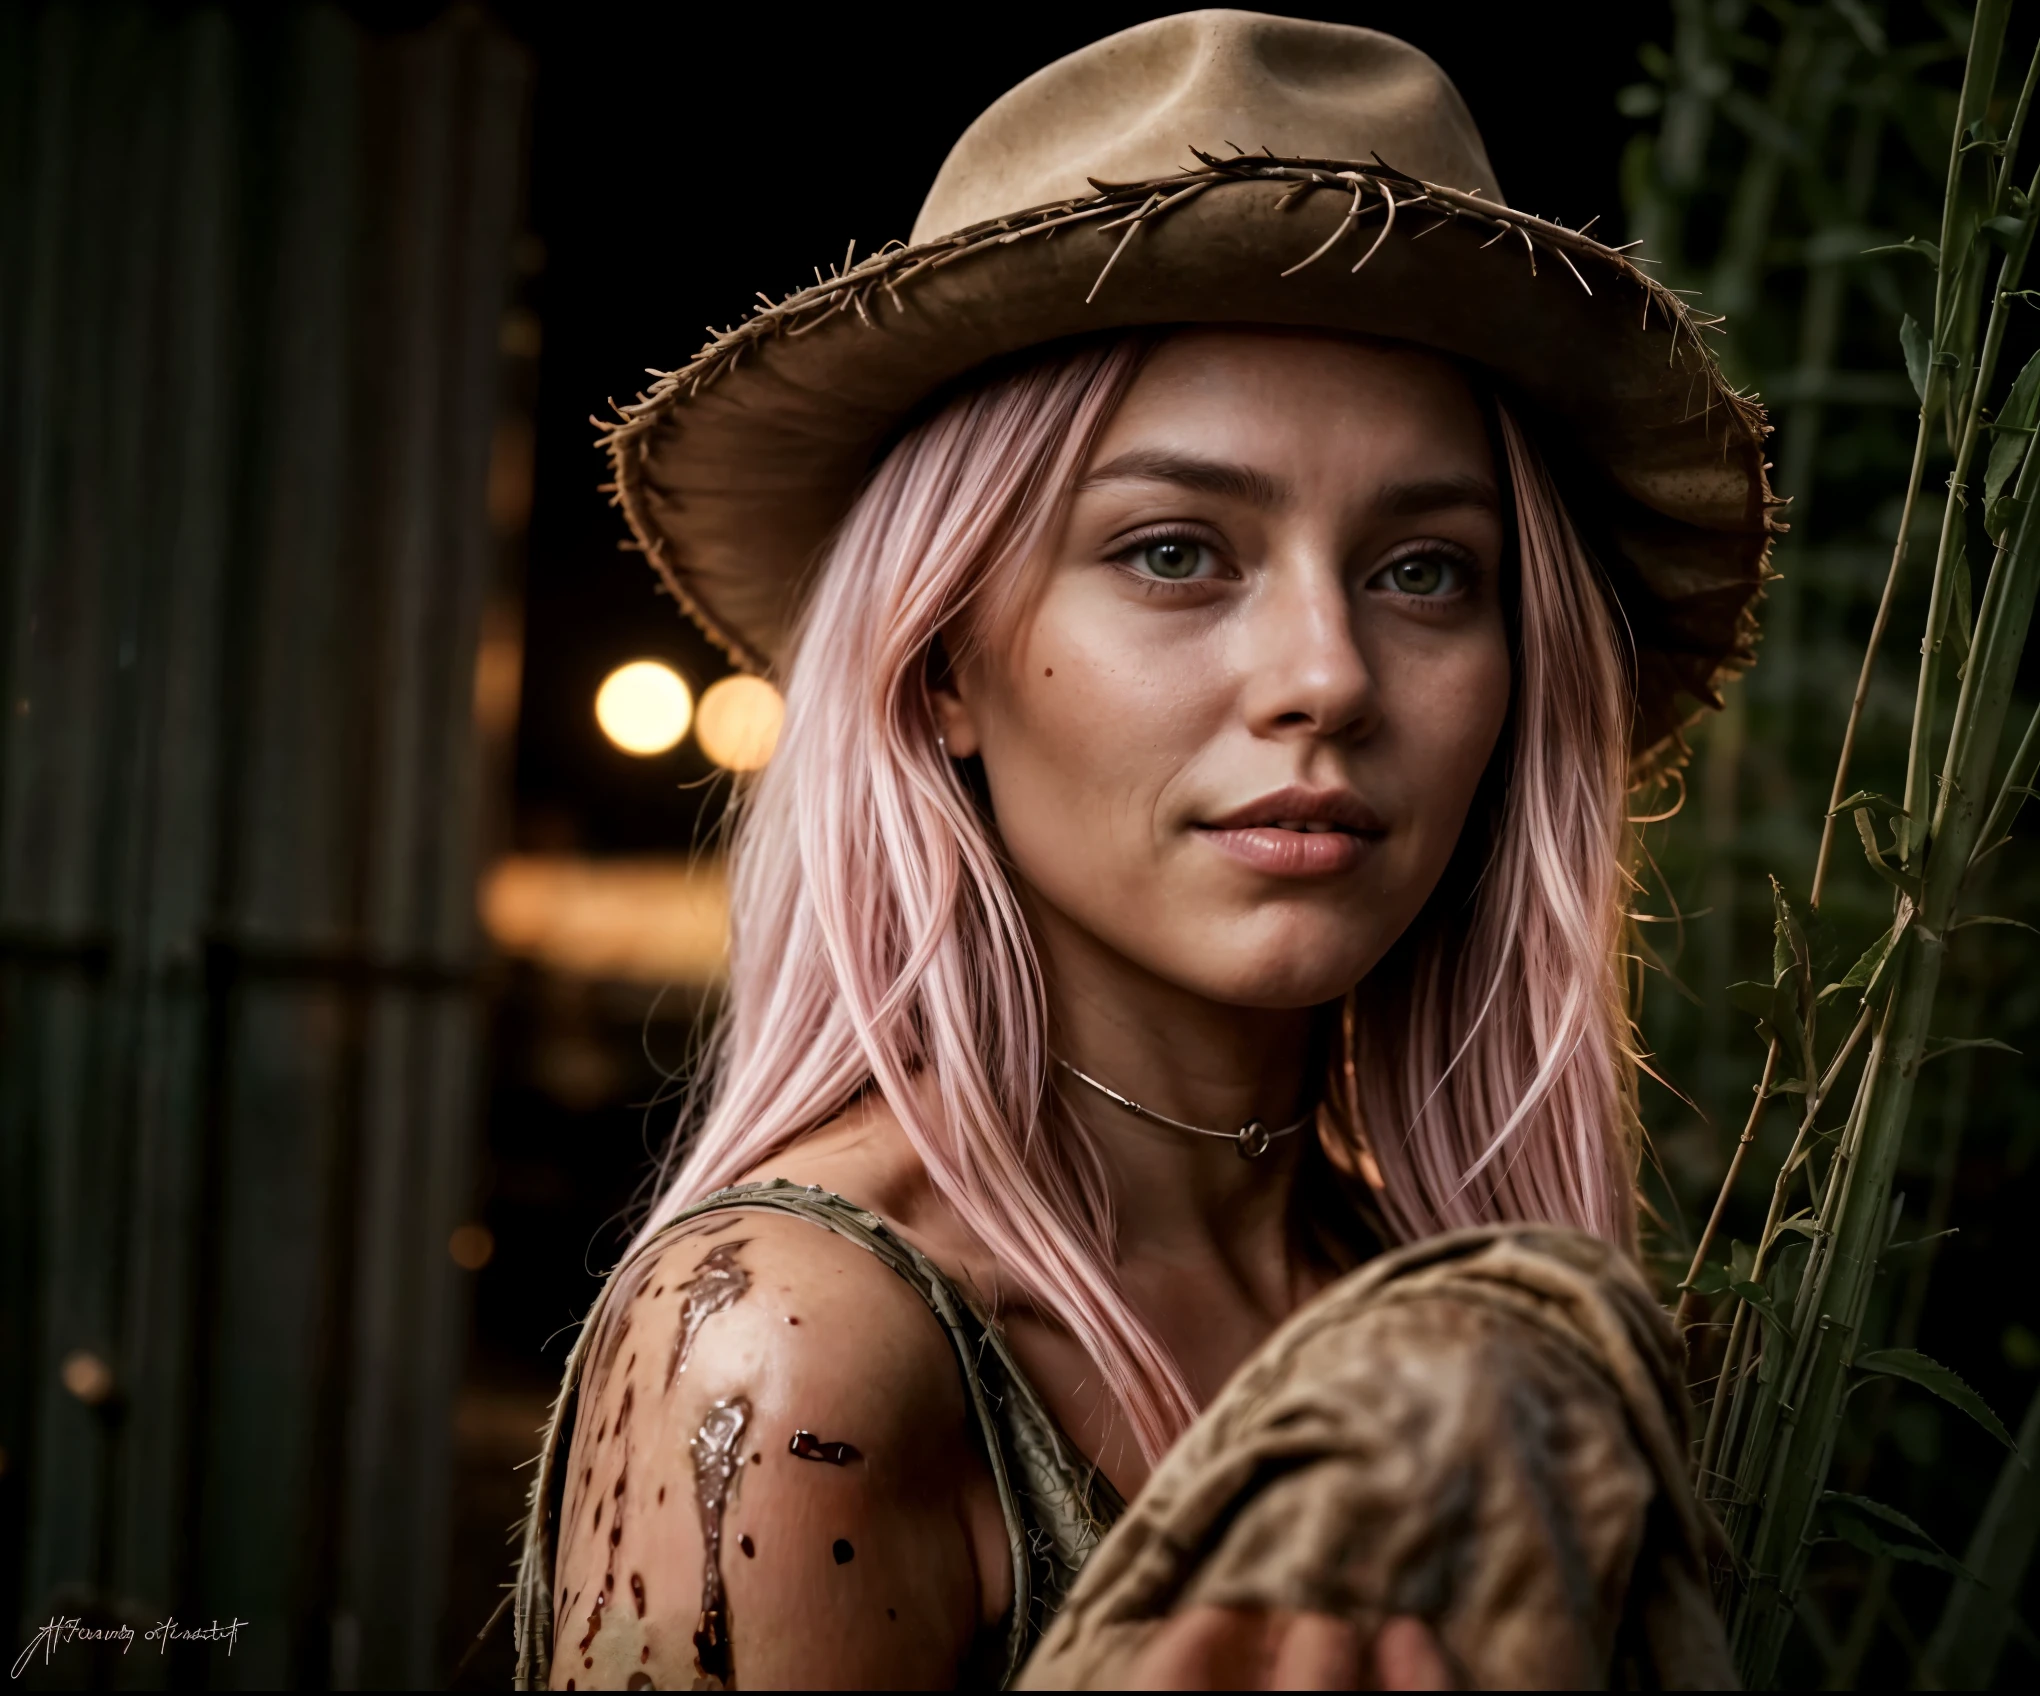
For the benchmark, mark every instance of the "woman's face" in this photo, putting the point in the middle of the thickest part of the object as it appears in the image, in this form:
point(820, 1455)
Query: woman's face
point(1234, 729)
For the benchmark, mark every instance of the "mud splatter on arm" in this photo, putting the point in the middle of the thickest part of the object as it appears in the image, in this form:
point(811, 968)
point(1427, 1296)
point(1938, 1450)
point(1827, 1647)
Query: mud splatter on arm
point(756, 1502)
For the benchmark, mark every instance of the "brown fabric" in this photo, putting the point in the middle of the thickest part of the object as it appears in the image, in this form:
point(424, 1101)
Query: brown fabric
point(1221, 167)
point(1485, 1430)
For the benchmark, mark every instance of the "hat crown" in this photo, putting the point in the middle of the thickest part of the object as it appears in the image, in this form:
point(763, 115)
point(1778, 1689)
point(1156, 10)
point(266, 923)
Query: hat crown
point(1131, 107)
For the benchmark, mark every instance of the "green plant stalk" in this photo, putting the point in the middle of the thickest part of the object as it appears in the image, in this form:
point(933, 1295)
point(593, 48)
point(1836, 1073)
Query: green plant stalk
point(2012, 794)
point(1978, 81)
point(1969, 192)
point(1960, 268)
point(1730, 1385)
point(1858, 1198)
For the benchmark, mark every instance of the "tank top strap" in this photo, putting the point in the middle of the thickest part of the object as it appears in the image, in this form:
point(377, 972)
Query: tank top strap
point(1056, 1504)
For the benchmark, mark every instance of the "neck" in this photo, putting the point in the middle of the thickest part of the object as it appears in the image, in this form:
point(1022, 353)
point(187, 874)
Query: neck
point(1197, 1060)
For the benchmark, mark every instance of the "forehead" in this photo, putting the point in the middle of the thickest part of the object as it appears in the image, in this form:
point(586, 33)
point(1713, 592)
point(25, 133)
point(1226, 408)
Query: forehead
point(1300, 392)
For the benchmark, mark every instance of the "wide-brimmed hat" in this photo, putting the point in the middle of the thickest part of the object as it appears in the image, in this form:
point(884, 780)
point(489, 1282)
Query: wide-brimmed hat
point(1221, 167)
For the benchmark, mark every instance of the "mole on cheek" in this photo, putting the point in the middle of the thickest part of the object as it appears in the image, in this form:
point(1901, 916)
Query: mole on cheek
point(750, 1548)
point(842, 1551)
point(1048, 671)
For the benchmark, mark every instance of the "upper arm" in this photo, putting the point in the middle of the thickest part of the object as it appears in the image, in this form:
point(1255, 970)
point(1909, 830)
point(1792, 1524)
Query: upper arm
point(875, 1566)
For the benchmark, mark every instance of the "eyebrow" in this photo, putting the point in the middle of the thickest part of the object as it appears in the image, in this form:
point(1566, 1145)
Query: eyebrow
point(1206, 476)
point(1438, 494)
point(1258, 488)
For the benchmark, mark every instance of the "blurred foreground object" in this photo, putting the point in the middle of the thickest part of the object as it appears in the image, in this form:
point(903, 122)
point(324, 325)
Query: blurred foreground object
point(257, 515)
point(1485, 1431)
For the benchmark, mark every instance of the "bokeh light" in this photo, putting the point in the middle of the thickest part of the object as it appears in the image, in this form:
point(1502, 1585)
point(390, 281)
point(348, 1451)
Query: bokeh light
point(738, 725)
point(472, 1246)
point(644, 707)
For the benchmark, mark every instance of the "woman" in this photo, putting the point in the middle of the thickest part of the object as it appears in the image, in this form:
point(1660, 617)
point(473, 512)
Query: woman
point(1192, 861)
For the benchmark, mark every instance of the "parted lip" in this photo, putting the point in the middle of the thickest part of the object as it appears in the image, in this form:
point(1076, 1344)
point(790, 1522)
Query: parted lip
point(1336, 809)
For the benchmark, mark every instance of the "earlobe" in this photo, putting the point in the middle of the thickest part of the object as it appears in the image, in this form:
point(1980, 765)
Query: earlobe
point(954, 724)
point(954, 727)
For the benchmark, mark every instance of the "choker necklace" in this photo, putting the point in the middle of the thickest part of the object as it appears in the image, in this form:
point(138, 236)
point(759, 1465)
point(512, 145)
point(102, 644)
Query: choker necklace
point(1251, 1139)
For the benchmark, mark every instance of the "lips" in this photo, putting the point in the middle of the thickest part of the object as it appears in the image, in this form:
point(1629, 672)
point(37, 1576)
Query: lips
point(1298, 832)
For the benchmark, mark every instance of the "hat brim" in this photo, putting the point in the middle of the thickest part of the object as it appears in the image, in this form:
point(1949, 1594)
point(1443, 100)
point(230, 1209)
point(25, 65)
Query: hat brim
point(735, 469)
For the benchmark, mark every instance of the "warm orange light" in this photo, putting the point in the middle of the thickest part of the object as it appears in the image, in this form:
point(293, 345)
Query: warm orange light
point(621, 921)
point(644, 707)
point(738, 724)
point(472, 1246)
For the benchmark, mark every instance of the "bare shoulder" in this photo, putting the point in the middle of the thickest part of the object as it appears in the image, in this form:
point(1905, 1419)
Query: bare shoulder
point(773, 1478)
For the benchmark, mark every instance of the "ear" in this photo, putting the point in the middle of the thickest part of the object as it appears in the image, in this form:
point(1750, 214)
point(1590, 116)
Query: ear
point(954, 720)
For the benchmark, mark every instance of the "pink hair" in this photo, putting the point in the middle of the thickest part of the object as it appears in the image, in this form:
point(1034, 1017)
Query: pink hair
point(877, 944)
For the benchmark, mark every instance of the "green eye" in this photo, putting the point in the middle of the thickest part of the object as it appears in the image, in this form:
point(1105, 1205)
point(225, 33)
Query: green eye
point(1172, 558)
point(1423, 575)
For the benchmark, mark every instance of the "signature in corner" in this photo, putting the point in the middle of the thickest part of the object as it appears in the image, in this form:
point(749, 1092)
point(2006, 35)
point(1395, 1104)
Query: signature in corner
point(64, 1629)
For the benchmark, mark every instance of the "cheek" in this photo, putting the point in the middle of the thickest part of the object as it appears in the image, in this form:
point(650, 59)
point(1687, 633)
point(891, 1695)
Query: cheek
point(1452, 711)
point(1081, 742)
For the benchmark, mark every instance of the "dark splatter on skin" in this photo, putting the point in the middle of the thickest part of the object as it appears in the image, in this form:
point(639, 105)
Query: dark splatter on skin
point(629, 1396)
point(639, 1681)
point(616, 1525)
point(645, 1653)
point(662, 1495)
point(792, 1320)
point(594, 1620)
point(889, 1614)
point(807, 1446)
point(842, 1551)
point(750, 1548)
point(716, 1466)
point(637, 1593)
point(717, 1284)
point(599, 1506)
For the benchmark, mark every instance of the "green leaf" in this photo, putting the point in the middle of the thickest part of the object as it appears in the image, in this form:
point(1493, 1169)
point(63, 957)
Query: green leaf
point(1913, 340)
point(1862, 1524)
point(1993, 919)
point(1916, 1368)
point(1760, 1298)
point(1930, 251)
point(1934, 1050)
point(1864, 972)
point(2020, 412)
point(2007, 230)
point(1709, 1281)
point(1751, 998)
point(1869, 799)
point(1899, 880)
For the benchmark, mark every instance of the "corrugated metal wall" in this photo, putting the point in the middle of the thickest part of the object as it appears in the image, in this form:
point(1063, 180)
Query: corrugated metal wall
point(252, 269)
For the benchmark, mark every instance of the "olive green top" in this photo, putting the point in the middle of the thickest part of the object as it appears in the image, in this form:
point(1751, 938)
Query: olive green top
point(1057, 1504)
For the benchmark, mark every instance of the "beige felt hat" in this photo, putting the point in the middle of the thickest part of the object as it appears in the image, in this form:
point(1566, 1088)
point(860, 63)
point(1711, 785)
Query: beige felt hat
point(1209, 168)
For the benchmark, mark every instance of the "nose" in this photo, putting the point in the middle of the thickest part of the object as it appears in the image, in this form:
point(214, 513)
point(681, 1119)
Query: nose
point(1306, 674)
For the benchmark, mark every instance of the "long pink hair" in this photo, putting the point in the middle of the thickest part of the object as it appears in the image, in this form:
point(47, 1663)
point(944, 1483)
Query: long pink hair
point(877, 944)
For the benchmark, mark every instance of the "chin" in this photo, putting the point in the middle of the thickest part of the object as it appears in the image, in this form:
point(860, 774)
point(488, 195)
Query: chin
point(1283, 978)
